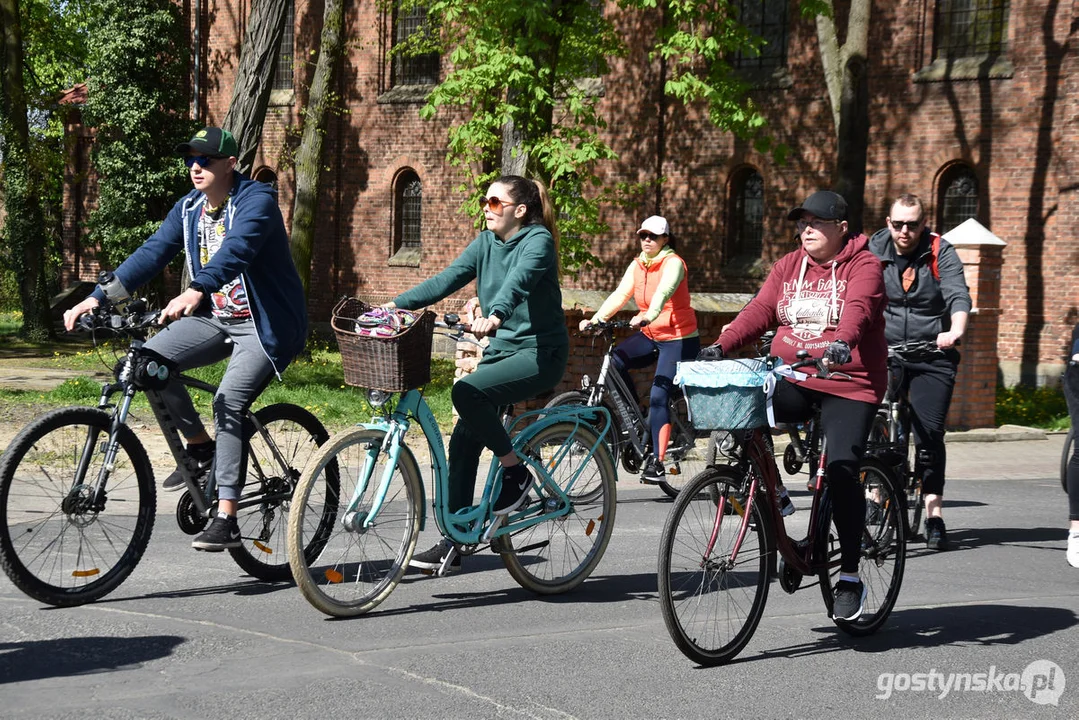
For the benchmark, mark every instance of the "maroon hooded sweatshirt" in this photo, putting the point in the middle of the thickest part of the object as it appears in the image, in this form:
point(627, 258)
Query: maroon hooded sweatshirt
point(842, 299)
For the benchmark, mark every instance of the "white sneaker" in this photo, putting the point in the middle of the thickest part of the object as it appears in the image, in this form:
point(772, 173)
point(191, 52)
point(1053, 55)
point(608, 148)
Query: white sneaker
point(1073, 549)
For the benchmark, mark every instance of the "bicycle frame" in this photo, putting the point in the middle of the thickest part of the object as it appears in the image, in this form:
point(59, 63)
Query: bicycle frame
point(201, 497)
point(469, 526)
point(632, 422)
point(762, 469)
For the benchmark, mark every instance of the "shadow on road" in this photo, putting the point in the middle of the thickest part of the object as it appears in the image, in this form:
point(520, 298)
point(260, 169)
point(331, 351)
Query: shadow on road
point(63, 657)
point(959, 626)
point(970, 538)
point(245, 588)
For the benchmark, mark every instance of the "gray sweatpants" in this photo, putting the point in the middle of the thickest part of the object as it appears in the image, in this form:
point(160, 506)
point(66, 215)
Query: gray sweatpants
point(196, 341)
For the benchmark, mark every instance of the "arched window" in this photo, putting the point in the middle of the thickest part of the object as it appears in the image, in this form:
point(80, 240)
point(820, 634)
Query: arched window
point(958, 197)
point(266, 175)
point(408, 212)
point(745, 228)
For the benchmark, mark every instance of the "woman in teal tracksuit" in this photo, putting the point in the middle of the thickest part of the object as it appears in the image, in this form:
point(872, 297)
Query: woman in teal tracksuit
point(515, 265)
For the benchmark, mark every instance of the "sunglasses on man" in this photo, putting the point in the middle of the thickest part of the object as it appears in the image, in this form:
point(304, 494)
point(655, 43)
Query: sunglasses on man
point(898, 225)
point(202, 160)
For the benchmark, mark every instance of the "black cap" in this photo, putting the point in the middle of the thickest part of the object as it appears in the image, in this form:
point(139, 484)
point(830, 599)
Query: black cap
point(825, 204)
point(211, 141)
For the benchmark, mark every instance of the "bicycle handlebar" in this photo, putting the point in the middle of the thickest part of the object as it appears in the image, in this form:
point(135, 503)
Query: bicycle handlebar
point(134, 318)
point(614, 325)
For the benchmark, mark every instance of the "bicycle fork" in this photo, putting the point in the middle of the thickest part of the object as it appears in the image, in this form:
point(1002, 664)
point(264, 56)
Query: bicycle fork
point(354, 521)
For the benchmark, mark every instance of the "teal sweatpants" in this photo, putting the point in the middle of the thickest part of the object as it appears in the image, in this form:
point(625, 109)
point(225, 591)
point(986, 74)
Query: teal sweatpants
point(501, 378)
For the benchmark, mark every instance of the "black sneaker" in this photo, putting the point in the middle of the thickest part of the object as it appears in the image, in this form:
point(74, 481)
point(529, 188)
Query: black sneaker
point(936, 536)
point(849, 600)
point(516, 482)
point(223, 533)
point(653, 472)
point(431, 560)
point(202, 454)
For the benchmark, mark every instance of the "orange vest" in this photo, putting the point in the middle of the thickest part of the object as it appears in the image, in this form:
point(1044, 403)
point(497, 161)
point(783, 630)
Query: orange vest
point(676, 320)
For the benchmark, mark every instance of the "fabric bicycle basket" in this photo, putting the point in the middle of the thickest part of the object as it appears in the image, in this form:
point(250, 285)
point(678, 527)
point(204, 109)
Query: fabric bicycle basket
point(725, 395)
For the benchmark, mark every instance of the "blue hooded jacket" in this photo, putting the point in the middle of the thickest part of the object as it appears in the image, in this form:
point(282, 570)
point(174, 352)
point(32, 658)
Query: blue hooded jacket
point(255, 248)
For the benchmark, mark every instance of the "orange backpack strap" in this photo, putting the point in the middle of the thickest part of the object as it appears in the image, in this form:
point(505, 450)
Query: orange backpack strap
point(934, 261)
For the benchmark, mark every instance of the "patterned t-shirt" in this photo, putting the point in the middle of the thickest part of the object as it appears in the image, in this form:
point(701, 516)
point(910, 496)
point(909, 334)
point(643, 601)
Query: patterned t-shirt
point(230, 302)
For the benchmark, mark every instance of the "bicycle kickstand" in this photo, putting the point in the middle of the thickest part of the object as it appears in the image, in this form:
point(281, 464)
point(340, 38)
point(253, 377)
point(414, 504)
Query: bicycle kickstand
point(444, 568)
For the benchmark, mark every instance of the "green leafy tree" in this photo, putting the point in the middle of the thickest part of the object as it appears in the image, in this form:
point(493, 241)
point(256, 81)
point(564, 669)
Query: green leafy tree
point(137, 69)
point(519, 73)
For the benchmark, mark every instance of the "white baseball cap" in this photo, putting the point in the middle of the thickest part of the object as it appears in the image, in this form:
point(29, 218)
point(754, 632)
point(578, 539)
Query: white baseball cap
point(656, 225)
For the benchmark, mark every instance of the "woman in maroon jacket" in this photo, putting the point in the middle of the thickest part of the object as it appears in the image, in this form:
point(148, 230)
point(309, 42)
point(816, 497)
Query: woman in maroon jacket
point(827, 298)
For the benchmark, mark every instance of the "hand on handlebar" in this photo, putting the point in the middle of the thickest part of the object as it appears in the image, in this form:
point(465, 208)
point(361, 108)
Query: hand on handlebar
point(584, 325)
point(948, 339)
point(183, 304)
point(712, 352)
point(483, 326)
point(72, 316)
point(838, 353)
point(638, 321)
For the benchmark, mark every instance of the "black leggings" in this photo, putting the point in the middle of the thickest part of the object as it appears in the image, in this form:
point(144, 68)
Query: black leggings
point(1071, 394)
point(845, 423)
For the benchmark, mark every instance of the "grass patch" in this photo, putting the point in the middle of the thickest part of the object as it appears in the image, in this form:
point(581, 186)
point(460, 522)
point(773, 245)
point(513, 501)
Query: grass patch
point(314, 382)
point(1040, 407)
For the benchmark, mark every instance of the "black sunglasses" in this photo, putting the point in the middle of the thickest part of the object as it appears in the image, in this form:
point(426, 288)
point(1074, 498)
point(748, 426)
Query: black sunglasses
point(202, 160)
point(909, 224)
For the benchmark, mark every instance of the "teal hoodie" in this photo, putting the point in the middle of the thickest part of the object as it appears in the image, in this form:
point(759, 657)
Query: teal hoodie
point(517, 277)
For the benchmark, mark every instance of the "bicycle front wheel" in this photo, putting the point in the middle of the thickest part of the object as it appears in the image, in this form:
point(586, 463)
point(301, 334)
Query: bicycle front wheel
point(556, 556)
point(275, 462)
point(689, 452)
point(884, 545)
point(713, 593)
point(56, 544)
point(361, 559)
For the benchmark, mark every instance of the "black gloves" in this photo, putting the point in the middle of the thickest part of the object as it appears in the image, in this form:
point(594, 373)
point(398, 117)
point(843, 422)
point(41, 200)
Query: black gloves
point(712, 352)
point(838, 353)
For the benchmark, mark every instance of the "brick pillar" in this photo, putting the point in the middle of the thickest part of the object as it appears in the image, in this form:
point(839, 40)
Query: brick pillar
point(974, 401)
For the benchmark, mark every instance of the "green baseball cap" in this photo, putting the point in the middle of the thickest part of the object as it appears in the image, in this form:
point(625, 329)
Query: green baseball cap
point(211, 141)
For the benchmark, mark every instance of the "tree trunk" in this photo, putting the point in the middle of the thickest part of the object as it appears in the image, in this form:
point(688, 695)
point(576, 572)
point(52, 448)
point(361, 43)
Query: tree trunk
point(254, 77)
point(846, 76)
point(25, 220)
point(514, 157)
point(309, 154)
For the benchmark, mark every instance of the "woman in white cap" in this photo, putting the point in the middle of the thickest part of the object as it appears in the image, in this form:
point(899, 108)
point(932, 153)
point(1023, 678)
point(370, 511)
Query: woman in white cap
point(656, 280)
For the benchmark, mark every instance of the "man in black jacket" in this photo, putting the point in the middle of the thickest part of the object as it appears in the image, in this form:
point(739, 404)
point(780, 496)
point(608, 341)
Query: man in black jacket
point(928, 300)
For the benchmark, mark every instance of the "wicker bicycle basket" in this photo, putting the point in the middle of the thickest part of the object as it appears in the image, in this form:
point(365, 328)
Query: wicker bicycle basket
point(395, 364)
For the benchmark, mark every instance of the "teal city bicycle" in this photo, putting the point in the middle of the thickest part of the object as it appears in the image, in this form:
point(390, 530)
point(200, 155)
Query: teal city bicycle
point(550, 545)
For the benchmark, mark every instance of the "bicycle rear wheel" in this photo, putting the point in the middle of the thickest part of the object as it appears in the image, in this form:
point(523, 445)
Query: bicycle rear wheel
point(712, 604)
point(359, 563)
point(55, 545)
point(883, 551)
point(295, 436)
point(689, 452)
point(558, 555)
point(907, 475)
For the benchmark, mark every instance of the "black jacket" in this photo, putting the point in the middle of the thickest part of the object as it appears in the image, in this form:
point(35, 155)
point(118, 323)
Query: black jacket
point(926, 309)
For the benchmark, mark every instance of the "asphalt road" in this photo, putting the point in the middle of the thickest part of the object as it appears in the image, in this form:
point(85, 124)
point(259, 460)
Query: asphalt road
point(189, 636)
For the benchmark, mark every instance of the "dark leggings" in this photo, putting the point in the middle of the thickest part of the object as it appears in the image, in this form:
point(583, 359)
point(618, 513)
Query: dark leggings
point(845, 423)
point(501, 378)
point(1071, 393)
point(929, 388)
point(638, 351)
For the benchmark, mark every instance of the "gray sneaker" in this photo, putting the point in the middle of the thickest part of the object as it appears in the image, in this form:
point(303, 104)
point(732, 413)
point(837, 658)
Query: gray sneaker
point(849, 600)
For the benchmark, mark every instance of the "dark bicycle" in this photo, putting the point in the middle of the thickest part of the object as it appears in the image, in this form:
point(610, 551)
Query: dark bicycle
point(77, 492)
point(689, 451)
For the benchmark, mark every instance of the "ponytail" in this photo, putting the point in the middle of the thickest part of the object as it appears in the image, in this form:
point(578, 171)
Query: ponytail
point(539, 209)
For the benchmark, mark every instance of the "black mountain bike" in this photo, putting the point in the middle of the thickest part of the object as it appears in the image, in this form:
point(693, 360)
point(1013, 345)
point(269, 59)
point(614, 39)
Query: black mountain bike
point(77, 493)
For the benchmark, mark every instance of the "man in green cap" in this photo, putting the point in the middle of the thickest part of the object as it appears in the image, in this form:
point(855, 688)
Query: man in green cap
point(245, 302)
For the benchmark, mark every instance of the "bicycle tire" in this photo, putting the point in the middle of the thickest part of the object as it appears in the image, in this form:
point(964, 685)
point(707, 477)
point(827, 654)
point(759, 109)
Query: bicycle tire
point(880, 446)
point(297, 434)
point(688, 581)
point(355, 569)
point(580, 398)
point(689, 452)
point(558, 555)
point(1065, 457)
point(883, 552)
point(52, 549)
